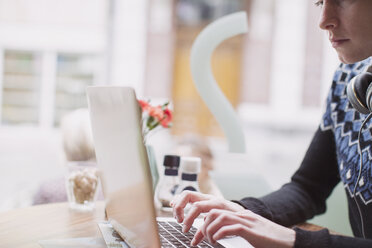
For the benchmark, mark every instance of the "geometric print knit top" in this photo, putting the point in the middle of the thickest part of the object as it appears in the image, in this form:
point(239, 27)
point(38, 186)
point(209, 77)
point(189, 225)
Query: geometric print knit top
point(345, 122)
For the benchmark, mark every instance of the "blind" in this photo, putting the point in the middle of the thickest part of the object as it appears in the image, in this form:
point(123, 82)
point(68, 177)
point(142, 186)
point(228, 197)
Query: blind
point(74, 74)
point(21, 88)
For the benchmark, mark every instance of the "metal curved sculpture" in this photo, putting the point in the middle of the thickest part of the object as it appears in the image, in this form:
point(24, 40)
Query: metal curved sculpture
point(201, 52)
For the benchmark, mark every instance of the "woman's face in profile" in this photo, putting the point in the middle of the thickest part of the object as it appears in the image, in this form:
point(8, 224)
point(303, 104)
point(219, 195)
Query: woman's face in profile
point(349, 27)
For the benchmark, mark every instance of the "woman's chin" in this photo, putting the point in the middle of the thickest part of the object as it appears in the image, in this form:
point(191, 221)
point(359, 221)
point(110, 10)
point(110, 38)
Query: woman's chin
point(352, 58)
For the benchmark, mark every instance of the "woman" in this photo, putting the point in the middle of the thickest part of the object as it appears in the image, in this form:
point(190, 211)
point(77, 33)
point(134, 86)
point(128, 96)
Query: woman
point(332, 157)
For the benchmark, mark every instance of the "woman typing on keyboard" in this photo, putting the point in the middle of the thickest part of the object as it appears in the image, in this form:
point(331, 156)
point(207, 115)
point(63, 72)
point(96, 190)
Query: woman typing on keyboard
point(333, 156)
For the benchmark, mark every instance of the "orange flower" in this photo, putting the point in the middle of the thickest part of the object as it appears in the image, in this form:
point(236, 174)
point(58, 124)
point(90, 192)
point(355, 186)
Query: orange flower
point(144, 105)
point(156, 112)
point(168, 117)
point(154, 116)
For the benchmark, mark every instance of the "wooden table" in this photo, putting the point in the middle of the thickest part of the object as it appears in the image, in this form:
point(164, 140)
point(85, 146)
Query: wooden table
point(24, 227)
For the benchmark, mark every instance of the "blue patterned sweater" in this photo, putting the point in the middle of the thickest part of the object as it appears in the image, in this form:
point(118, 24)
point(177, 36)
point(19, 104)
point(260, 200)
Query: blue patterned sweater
point(332, 157)
point(345, 122)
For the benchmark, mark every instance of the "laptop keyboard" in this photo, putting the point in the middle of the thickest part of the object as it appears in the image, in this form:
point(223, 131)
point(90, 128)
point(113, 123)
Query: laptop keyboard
point(171, 235)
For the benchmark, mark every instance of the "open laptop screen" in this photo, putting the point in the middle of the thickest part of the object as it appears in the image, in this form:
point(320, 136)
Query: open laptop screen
point(122, 160)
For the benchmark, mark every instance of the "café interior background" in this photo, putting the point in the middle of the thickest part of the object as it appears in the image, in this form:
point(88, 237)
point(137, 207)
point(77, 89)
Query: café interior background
point(276, 76)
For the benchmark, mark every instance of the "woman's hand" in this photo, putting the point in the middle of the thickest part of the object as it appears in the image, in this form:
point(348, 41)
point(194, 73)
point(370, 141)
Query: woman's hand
point(257, 230)
point(202, 203)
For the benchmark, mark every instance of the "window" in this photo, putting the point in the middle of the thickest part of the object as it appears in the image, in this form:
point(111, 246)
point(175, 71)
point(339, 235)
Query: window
point(21, 88)
point(38, 88)
point(74, 74)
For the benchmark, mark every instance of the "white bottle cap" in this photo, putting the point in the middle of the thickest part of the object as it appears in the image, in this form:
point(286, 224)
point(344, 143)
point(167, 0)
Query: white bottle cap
point(190, 165)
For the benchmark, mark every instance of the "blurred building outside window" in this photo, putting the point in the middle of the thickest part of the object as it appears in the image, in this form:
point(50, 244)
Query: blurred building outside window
point(22, 86)
point(50, 51)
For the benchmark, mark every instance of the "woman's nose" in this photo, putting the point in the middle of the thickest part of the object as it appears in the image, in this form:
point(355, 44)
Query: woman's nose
point(328, 18)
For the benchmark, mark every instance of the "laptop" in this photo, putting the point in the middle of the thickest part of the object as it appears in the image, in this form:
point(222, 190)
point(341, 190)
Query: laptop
point(125, 173)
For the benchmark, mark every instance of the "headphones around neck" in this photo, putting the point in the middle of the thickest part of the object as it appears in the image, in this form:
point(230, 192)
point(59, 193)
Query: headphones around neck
point(359, 92)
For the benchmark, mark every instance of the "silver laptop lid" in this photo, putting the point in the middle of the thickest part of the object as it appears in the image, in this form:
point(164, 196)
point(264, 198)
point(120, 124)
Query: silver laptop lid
point(122, 160)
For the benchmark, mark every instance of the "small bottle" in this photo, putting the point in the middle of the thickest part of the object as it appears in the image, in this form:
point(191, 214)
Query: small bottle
point(190, 168)
point(168, 184)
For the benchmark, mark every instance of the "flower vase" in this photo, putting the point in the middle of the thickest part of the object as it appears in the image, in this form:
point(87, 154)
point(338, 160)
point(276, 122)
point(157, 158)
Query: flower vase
point(153, 165)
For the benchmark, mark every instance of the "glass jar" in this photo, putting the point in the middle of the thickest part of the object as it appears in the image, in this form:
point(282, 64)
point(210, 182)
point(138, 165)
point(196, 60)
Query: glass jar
point(82, 184)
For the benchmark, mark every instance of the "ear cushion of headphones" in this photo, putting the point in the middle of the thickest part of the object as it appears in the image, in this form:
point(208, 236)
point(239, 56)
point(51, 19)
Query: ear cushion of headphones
point(368, 78)
point(354, 92)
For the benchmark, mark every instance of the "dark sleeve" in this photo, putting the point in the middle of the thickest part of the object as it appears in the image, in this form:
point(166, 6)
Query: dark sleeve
point(305, 196)
point(322, 238)
point(310, 186)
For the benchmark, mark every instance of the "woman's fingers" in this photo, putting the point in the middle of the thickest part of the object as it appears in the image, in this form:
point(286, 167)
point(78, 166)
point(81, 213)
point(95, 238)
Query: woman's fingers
point(198, 208)
point(258, 231)
point(180, 202)
point(198, 237)
point(219, 218)
point(224, 223)
point(237, 229)
point(195, 210)
point(202, 202)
